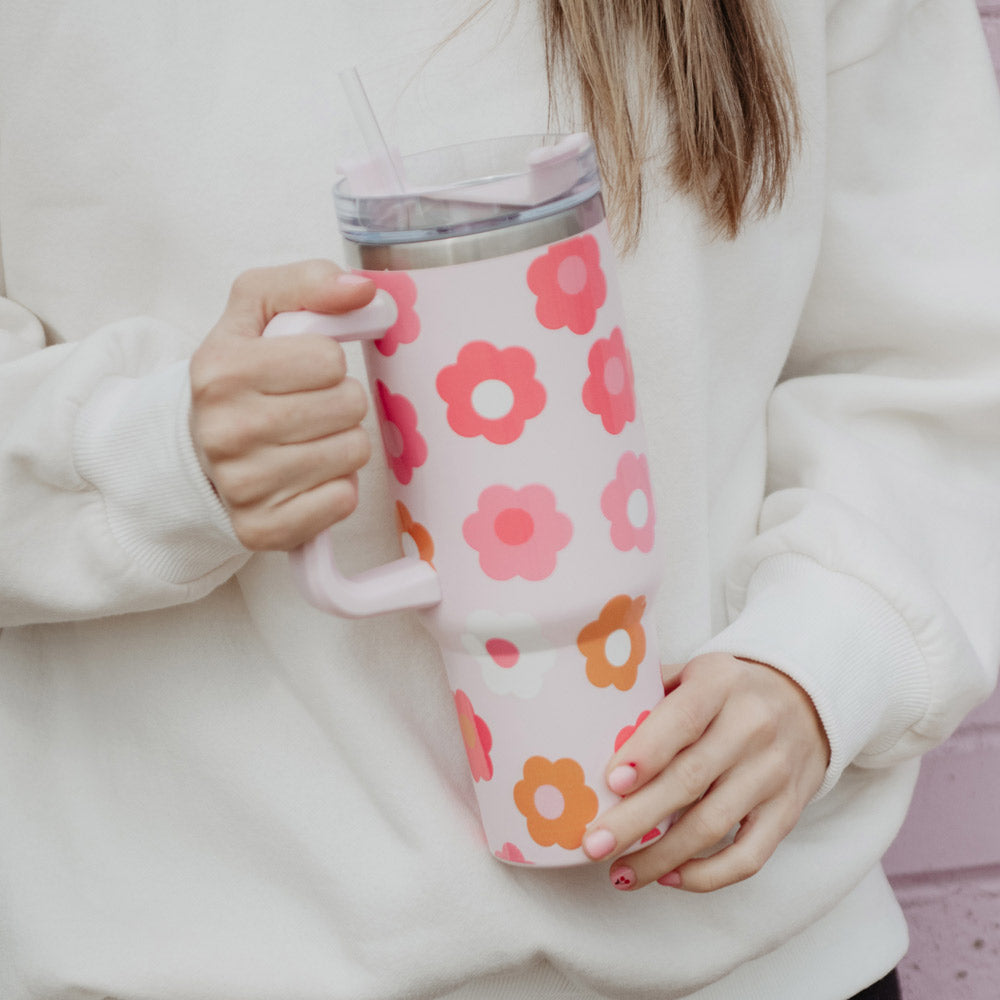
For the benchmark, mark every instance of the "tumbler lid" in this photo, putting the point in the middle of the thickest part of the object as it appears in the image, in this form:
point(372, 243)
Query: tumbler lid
point(470, 188)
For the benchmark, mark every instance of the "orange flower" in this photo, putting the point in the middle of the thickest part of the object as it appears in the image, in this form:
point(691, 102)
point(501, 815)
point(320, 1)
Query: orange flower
point(476, 736)
point(417, 534)
point(555, 801)
point(615, 644)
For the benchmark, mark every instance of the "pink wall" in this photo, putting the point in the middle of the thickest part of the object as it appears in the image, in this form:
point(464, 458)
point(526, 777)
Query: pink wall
point(945, 864)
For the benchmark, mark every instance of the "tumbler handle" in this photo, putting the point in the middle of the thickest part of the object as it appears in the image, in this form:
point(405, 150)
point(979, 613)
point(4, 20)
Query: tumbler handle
point(408, 582)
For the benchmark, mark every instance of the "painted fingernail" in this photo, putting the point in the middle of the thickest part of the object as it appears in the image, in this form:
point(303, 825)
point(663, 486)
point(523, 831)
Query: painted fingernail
point(599, 843)
point(671, 879)
point(623, 778)
point(622, 877)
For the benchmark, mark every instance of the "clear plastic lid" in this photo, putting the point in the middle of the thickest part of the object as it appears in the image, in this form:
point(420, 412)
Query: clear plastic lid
point(470, 188)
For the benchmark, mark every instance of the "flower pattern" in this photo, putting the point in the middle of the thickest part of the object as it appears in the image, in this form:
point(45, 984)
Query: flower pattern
point(414, 537)
point(405, 447)
point(556, 801)
point(609, 390)
point(517, 532)
point(491, 392)
point(476, 736)
point(512, 854)
point(615, 644)
point(569, 283)
point(511, 650)
point(627, 502)
point(625, 734)
point(496, 387)
point(406, 329)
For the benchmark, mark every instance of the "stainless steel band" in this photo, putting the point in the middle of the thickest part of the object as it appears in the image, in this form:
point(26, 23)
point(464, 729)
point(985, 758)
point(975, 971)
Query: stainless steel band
point(476, 246)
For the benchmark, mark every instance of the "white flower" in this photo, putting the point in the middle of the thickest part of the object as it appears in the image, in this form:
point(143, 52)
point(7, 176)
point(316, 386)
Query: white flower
point(511, 650)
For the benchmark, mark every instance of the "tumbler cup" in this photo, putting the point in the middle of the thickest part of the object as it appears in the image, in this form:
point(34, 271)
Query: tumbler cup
point(504, 389)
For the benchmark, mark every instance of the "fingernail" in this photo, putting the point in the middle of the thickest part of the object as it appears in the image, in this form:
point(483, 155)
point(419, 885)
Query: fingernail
point(353, 280)
point(598, 844)
point(623, 778)
point(672, 879)
point(622, 877)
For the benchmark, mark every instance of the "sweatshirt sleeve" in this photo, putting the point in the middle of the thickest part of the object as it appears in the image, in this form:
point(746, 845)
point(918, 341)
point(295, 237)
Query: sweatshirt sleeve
point(104, 506)
point(874, 581)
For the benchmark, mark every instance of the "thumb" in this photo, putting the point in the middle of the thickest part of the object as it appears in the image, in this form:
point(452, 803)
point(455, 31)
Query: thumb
point(317, 285)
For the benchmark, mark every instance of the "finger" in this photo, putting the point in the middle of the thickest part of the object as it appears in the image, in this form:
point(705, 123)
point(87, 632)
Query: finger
point(677, 722)
point(703, 827)
point(223, 369)
point(319, 413)
point(293, 418)
point(299, 519)
point(755, 842)
point(684, 781)
point(271, 476)
point(258, 295)
point(298, 363)
point(244, 426)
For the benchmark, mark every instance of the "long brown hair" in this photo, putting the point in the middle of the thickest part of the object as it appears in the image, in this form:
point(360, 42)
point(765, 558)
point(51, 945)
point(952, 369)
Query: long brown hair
point(717, 68)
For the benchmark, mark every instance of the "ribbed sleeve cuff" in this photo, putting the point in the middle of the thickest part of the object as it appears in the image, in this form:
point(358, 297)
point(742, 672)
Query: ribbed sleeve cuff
point(134, 446)
point(843, 643)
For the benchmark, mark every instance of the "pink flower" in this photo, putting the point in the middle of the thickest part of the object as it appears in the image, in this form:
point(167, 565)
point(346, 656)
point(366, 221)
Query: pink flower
point(569, 283)
point(491, 392)
point(625, 734)
point(609, 392)
point(476, 736)
point(627, 502)
point(517, 532)
point(512, 853)
point(406, 328)
point(405, 448)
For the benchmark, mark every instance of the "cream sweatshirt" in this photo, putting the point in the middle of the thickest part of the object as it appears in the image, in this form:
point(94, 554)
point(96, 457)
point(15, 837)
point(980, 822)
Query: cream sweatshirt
point(211, 791)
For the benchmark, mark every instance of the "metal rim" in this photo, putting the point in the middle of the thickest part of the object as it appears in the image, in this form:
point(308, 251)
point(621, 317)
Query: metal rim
point(476, 246)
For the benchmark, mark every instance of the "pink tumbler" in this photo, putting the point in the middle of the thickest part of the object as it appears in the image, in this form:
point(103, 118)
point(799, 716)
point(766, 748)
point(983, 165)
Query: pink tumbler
point(504, 391)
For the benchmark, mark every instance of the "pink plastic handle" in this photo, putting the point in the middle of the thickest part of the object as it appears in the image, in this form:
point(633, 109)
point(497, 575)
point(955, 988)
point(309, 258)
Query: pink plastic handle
point(404, 583)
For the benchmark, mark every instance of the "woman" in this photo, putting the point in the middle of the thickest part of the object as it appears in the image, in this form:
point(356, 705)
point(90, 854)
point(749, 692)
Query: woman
point(218, 792)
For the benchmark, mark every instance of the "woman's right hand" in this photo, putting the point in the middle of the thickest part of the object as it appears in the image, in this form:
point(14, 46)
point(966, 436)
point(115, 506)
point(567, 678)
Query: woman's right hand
point(276, 423)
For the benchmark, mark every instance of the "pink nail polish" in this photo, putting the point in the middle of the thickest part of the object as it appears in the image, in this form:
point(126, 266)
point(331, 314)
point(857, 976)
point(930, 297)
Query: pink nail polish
point(623, 778)
point(671, 879)
point(598, 844)
point(622, 877)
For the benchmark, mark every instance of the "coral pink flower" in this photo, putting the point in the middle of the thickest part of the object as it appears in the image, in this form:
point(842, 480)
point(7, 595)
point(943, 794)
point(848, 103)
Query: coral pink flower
point(404, 292)
point(625, 734)
point(517, 532)
point(405, 448)
point(512, 853)
point(491, 392)
point(627, 502)
point(476, 736)
point(609, 392)
point(569, 283)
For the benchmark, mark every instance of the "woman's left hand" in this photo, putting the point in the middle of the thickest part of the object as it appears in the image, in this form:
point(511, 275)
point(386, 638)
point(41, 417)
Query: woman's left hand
point(734, 745)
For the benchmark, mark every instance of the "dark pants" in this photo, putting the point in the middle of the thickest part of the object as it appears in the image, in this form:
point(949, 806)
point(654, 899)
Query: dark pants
point(884, 989)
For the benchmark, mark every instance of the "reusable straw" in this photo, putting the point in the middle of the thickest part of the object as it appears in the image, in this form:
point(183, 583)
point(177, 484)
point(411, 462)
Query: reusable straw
point(368, 123)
